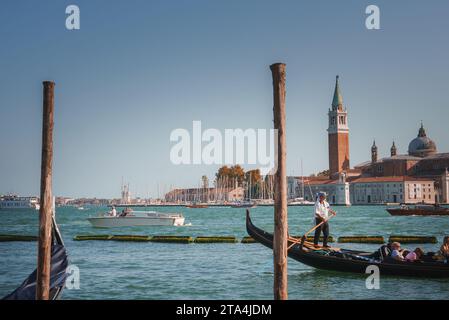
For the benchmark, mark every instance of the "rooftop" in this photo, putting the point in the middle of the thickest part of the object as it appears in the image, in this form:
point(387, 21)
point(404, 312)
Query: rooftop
point(389, 179)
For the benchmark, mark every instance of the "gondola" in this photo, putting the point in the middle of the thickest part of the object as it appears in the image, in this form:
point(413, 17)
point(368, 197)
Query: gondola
point(58, 275)
point(350, 260)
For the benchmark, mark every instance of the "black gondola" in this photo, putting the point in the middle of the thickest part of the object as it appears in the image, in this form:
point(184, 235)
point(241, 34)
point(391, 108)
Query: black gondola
point(351, 260)
point(58, 275)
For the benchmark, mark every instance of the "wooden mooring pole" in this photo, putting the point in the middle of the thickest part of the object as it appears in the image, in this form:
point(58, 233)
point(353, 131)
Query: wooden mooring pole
point(46, 197)
point(280, 286)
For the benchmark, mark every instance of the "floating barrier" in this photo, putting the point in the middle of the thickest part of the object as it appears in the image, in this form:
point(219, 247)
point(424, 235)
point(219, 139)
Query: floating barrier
point(92, 237)
point(361, 239)
point(172, 239)
point(226, 239)
point(134, 238)
point(248, 239)
point(412, 239)
point(14, 237)
point(218, 239)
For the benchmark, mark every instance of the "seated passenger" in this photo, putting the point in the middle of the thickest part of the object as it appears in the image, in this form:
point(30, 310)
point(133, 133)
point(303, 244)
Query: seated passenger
point(444, 250)
point(396, 252)
point(443, 253)
point(414, 255)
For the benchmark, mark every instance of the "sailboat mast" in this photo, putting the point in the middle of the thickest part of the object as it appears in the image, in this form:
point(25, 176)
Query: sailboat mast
point(302, 180)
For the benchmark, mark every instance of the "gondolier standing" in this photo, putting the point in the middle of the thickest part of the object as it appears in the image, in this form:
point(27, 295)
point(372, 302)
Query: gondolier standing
point(322, 210)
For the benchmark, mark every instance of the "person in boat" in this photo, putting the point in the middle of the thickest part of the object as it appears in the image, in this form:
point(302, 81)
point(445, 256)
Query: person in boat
point(444, 250)
point(443, 253)
point(124, 213)
point(414, 255)
point(113, 212)
point(396, 252)
point(322, 210)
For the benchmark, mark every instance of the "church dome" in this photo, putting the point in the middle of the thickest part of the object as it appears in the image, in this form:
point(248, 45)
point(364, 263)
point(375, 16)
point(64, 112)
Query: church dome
point(422, 146)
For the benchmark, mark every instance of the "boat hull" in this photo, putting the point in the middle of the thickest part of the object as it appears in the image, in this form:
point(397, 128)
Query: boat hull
point(418, 212)
point(110, 222)
point(334, 263)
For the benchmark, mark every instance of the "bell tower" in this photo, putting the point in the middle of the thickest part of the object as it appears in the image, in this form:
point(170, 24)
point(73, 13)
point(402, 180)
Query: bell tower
point(338, 134)
point(393, 150)
point(374, 152)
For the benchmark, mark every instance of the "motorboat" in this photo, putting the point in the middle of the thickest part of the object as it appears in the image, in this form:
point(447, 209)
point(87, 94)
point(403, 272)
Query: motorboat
point(130, 218)
point(419, 210)
point(244, 204)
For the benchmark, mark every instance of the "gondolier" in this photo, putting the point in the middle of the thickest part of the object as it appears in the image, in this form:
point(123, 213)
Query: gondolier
point(322, 210)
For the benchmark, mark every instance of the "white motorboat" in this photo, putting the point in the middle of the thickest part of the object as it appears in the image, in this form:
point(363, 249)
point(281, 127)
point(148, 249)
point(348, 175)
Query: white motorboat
point(137, 218)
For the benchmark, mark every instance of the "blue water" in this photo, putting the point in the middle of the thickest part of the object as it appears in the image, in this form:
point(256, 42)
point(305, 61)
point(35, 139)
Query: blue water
point(130, 270)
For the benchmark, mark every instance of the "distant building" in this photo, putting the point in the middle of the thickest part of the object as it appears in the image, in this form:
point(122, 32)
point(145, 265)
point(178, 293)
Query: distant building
point(205, 195)
point(377, 190)
point(422, 160)
point(337, 190)
point(63, 201)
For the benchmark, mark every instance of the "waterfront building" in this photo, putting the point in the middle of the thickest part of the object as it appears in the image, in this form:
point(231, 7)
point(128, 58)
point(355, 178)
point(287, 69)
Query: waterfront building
point(294, 188)
point(63, 201)
point(381, 190)
point(224, 194)
point(337, 190)
point(422, 160)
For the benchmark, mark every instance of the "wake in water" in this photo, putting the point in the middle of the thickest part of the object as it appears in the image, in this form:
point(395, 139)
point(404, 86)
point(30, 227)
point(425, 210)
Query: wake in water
point(186, 225)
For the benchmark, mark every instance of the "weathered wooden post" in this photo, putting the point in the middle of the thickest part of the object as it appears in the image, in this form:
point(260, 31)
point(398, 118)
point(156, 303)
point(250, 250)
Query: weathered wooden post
point(46, 197)
point(280, 185)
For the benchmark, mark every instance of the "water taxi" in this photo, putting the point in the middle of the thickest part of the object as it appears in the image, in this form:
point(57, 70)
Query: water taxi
point(419, 210)
point(130, 218)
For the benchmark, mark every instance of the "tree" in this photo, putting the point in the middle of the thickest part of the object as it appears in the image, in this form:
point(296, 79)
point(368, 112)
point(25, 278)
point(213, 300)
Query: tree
point(237, 175)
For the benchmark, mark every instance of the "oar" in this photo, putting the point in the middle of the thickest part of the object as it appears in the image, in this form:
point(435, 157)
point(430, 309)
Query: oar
point(295, 241)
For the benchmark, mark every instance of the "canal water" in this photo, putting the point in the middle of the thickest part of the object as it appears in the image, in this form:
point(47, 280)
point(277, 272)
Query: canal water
point(132, 270)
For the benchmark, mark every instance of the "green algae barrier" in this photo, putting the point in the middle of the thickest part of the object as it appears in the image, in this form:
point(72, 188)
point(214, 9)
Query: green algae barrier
point(15, 237)
point(132, 238)
point(172, 239)
point(217, 239)
point(248, 239)
point(361, 239)
point(85, 237)
point(412, 239)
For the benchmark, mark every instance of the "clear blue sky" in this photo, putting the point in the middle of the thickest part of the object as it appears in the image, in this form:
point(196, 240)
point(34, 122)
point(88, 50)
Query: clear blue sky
point(139, 69)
